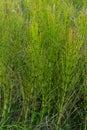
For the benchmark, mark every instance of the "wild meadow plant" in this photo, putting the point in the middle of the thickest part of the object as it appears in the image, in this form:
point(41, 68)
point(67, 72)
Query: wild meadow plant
point(43, 65)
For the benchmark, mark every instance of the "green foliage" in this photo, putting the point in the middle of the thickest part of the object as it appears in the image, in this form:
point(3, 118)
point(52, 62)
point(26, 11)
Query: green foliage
point(43, 65)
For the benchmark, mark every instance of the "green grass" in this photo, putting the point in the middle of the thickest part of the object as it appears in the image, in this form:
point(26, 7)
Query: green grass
point(43, 65)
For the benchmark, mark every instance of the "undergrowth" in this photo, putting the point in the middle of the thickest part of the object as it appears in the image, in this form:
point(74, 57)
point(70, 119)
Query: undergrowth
point(43, 65)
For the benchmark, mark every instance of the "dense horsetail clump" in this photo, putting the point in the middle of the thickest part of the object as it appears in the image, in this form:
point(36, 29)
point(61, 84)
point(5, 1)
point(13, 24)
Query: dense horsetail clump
point(43, 65)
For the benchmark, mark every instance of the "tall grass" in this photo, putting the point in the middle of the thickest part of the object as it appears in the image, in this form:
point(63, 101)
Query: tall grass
point(43, 65)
